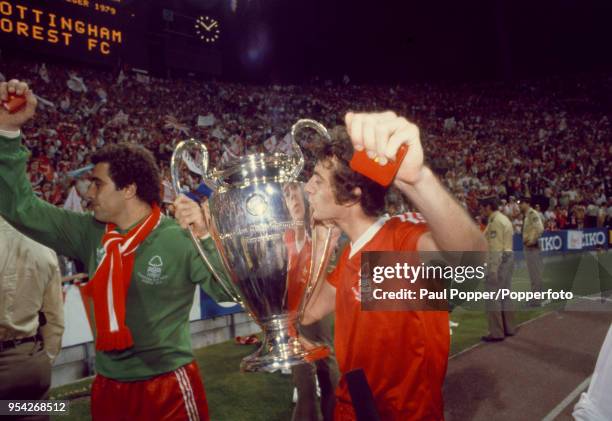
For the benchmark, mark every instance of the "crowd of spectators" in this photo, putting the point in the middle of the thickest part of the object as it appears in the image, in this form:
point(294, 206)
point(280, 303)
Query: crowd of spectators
point(549, 138)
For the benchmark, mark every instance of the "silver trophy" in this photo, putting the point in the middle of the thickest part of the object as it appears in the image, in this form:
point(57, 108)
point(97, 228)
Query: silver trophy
point(263, 235)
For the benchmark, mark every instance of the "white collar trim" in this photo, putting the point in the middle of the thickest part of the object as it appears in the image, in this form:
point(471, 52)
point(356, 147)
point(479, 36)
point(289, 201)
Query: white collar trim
point(10, 134)
point(368, 234)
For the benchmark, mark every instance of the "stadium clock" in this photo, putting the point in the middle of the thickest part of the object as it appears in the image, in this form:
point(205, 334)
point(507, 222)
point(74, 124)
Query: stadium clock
point(207, 29)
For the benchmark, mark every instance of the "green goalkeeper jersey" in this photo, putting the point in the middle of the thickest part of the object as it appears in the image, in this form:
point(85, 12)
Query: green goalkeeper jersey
point(167, 267)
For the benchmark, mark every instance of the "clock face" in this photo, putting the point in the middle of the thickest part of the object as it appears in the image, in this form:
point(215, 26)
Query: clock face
point(207, 29)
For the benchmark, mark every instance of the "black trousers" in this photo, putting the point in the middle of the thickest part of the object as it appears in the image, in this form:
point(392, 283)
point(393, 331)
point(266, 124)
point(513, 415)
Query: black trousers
point(325, 370)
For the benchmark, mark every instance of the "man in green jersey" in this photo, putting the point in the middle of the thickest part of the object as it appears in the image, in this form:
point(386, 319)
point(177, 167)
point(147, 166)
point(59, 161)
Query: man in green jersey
point(143, 270)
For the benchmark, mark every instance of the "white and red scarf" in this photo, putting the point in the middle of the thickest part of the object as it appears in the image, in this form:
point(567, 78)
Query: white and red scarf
point(110, 283)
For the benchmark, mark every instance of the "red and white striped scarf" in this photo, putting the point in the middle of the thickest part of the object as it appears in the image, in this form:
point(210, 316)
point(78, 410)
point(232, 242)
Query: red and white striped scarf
point(110, 283)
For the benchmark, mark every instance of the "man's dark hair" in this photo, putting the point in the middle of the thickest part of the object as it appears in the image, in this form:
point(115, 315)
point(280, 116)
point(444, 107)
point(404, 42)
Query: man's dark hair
point(493, 202)
point(336, 156)
point(525, 199)
point(129, 163)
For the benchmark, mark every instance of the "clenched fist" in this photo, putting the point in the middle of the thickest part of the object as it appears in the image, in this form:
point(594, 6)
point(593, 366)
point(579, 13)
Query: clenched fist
point(13, 122)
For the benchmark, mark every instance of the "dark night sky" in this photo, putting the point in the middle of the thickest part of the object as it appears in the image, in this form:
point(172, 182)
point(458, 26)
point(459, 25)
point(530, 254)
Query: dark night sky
point(433, 39)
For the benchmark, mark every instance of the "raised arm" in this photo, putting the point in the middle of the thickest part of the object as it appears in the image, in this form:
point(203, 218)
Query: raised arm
point(381, 134)
point(61, 230)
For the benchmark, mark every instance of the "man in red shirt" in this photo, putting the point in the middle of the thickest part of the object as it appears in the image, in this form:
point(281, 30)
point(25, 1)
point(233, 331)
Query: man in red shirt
point(403, 353)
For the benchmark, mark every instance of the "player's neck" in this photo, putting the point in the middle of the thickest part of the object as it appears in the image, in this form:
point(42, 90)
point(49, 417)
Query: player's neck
point(134, 213)
point(355, 224)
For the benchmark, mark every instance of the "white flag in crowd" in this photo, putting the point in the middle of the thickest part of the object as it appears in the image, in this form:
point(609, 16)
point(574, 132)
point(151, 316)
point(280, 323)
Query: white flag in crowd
point(76, 83)
point(43, 73)
point(2, 78)
point(91, 111)
point(142, 78)
point(227, 156)
point(232, 150)
point(171, 122)
point(218, 134)
point(542, 134)
point(79, 172)
point(73, 202)
point(192, 164)
point(102, 94)
point(286, 144)
point(206, 120)
point(270, 144)
point(119, 119)
point(65, 103)
point(168, 192)
point(450, 124)
point(121, 77)
point(44, 101)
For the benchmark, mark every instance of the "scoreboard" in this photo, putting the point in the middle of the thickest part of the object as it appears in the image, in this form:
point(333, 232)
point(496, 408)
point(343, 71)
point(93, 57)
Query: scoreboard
point(90, 30)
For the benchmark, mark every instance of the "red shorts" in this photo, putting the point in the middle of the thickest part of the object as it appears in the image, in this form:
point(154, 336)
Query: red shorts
point(178, 395)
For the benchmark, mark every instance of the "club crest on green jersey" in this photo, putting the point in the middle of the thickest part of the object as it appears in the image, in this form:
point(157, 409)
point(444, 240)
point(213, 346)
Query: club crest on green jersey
point(153, 274)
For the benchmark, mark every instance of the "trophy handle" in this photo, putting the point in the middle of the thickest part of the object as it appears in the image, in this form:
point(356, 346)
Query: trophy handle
point(313, 281)
point(229, 291)
point(177, 156)
point(297, 151)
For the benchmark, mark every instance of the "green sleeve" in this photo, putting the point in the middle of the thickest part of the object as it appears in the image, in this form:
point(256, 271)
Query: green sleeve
point(201, 274)
point(66, 232)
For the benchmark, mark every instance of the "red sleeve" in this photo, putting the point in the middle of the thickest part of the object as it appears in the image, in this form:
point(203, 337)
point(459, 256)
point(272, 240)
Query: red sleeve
point(407, 237)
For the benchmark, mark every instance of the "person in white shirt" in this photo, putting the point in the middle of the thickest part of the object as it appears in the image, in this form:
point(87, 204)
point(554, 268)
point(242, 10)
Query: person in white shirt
point(595, 404)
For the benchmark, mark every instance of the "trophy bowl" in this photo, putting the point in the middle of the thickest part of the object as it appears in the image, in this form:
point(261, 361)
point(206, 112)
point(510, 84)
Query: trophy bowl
point(260, 225)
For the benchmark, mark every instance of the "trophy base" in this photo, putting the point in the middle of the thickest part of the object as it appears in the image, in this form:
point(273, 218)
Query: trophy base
point(280, 350)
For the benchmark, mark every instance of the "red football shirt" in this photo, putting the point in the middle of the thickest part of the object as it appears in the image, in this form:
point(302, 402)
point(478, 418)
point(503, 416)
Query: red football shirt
point(404, 354)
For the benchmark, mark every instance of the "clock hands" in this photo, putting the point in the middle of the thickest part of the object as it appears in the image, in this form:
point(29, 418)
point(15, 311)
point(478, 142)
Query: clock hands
point(211, 27)
point(208, 28)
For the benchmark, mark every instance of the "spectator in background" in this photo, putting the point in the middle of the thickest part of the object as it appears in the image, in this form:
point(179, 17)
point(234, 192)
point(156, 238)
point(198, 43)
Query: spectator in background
point(31, 316)
point(499, 234)
point(532, 231)
point(576, 216)
point(566, 159)
point(595, 404)
point(561, 217)
point(591, 215)
point(550, 219)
